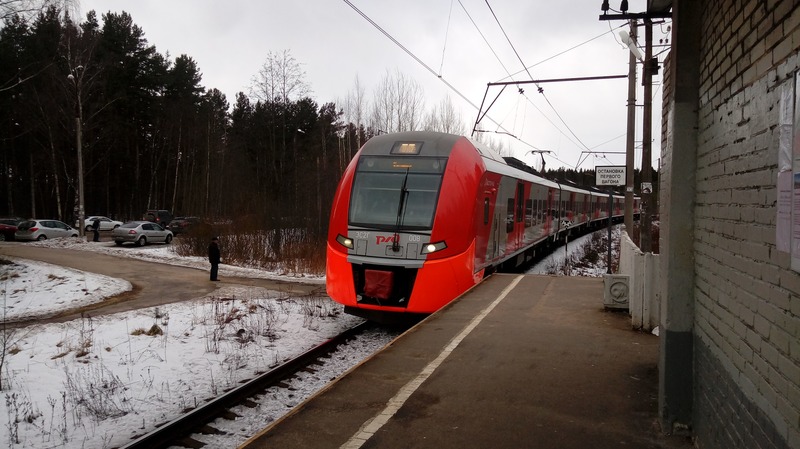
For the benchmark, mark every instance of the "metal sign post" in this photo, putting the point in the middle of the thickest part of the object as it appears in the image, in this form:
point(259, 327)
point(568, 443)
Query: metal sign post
point(610, 212)
point(610, 175)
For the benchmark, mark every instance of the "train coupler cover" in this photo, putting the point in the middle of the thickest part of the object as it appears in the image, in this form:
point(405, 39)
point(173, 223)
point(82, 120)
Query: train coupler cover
point(378, 284)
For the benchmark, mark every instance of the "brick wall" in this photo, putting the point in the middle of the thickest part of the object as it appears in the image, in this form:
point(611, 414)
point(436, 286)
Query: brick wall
point(747, 299)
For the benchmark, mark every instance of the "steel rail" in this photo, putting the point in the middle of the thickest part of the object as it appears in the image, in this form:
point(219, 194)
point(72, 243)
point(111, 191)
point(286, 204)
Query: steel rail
point(172, 432)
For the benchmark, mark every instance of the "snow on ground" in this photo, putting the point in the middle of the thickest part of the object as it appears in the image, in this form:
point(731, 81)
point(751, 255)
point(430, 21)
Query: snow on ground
point(37, 290)
point(96, 382)
point(166, 254)
point(575, 252)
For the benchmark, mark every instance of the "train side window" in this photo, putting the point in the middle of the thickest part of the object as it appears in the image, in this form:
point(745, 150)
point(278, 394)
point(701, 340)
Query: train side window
point(486, 211)
point(528, 213)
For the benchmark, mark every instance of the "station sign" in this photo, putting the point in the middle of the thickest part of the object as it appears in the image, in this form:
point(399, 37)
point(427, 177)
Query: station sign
point(609, 175)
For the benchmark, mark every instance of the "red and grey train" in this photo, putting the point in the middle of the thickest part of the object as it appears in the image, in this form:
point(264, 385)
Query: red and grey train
point(420, 217)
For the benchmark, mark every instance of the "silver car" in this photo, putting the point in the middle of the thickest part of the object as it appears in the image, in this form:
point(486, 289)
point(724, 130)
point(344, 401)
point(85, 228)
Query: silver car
point(43, 230)
point(141, 233)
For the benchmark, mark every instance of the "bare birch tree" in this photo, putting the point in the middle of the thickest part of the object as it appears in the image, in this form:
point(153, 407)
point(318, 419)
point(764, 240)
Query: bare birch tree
point(355, 106)
point(353, 112)
point(444, 118)
point(25, 8)
point(398, 105)
point(280, 79)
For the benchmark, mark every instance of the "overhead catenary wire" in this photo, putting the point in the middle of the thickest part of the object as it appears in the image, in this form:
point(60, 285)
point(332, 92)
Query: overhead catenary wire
point(510, 75)
point(468, 101)
point(530, 101)
point(446, 33)
point(484, 39)
point(509, 40)
point(574, 47)
point(539, 88)
point(415, 58)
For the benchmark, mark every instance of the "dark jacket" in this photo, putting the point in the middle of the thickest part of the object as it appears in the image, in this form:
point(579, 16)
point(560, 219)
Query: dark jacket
point(213, 252)
point(96, 225)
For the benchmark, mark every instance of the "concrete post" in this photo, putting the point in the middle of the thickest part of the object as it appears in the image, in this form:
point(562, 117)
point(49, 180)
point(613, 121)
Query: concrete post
point(677, 222)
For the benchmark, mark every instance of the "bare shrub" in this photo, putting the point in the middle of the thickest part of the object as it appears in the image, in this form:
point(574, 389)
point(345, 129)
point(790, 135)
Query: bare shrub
point(589, 258)
point(288, 250)
point(20, 410)
point(154, 330)
point(94, 389)
point(315, 307)
point(240, 319)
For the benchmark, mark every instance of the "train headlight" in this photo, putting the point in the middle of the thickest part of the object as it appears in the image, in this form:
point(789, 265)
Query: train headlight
point(433, 247)
point(345, 241)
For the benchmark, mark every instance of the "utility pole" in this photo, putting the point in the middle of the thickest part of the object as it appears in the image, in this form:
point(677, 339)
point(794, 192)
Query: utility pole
point(650, 64)
point(631, 134)
point(77, 80)
point(647, 138)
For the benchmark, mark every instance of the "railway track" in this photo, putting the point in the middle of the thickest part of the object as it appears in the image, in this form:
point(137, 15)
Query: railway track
point(179, 431)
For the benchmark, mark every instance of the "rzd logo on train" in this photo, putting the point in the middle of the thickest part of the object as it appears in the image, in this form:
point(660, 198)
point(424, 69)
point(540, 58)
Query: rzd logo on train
point(384, 239)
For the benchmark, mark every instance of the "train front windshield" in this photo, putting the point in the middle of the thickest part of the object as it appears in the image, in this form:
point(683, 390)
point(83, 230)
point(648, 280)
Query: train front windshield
point(396, 193)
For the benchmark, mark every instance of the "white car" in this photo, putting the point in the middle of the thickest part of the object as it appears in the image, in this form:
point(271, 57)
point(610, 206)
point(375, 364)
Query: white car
point(43, 230)
point(106, 224)
point(141, 233)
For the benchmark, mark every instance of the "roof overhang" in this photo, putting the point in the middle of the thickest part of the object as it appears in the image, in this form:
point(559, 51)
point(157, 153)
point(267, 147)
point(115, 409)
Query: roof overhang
point(659, 6)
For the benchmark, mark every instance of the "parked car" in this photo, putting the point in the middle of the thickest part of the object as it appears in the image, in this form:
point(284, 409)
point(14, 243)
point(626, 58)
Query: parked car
point(162, 217)
point(8, 226)
point(43, 230)
point(180, 225)
point(106, 224)
point(141, 233)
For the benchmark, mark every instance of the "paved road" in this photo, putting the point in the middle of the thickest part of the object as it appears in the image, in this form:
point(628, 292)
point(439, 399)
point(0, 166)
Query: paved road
point(153, 283)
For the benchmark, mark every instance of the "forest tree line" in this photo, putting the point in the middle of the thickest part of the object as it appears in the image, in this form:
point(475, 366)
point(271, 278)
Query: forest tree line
point(153, 137)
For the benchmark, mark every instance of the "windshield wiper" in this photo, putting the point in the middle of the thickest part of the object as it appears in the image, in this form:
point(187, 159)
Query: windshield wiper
point(400, 213)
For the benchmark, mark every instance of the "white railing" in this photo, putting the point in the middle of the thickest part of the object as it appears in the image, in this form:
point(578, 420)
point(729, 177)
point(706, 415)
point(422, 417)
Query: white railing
point(644, 271)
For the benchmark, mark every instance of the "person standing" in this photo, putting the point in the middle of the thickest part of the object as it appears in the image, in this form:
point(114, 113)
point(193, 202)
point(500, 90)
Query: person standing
point(96, 229)
point(213, 257)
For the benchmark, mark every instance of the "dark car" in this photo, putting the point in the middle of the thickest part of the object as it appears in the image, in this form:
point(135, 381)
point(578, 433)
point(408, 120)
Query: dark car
point(160, 216)
point(8, 226)
point(180, 225)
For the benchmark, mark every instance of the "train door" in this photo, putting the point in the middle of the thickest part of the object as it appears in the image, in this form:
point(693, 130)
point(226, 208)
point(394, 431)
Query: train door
point(572, 207)
point(519, 216)
point(496, 236)
point(550, 210)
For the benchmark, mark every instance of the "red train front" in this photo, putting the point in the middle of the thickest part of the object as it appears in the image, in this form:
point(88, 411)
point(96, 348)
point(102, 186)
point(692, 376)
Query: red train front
point(419, 217)
point(401, 236)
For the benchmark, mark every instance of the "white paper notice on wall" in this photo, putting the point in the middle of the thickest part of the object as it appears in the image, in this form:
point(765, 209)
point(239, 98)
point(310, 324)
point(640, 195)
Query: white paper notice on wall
point(786, 120)
point(795, 232)
point(783, 223)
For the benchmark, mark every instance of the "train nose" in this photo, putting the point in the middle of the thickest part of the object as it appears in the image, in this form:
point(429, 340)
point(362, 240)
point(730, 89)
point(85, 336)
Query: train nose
point(383, 285)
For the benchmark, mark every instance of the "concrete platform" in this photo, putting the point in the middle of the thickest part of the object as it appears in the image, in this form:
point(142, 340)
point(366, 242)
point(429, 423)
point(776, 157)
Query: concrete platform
point(517, 362)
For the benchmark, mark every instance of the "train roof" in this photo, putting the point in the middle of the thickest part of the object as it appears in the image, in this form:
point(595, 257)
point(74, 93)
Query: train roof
point(441, 144)
point(496, 163)
point(436, 143)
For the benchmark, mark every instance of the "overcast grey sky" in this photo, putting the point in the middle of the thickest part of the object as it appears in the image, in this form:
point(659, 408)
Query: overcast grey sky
point(230, 40)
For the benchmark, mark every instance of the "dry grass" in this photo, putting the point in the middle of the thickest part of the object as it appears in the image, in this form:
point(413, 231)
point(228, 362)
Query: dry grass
point(289, 250)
